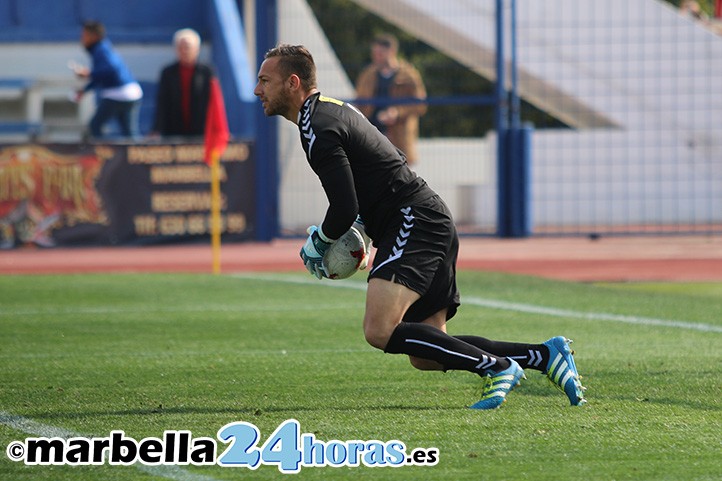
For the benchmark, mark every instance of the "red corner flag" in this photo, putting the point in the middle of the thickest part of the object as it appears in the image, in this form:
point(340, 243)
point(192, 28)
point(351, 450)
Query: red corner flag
point(216, 135)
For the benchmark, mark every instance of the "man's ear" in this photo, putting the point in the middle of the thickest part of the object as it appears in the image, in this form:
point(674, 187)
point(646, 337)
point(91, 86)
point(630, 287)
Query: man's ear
point(294, 82)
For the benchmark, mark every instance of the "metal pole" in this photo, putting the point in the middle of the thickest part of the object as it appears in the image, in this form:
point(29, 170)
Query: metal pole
point(515, 102)
point(501, 121)
point(267, 133)
point(502, 110)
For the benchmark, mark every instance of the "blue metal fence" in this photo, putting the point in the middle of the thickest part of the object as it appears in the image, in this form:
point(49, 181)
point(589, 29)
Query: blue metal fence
point(639, 85)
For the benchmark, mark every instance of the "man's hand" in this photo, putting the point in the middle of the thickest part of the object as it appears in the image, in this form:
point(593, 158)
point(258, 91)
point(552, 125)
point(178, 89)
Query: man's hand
point(313, 250)
point(389, 116)
point(358, 224)
point(80, 71)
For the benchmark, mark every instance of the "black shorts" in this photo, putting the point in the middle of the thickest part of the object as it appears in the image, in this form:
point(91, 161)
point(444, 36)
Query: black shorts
point(418, 250)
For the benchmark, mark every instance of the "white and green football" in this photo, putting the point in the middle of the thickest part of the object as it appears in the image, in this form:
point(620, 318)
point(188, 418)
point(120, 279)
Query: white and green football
point(346, 256)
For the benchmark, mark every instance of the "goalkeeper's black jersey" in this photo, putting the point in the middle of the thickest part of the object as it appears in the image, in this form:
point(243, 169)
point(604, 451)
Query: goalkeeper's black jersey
point(359, 168)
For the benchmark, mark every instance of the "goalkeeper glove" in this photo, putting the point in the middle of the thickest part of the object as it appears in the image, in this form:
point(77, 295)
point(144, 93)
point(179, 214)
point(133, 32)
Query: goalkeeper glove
point(313, 250)
point(358, 224)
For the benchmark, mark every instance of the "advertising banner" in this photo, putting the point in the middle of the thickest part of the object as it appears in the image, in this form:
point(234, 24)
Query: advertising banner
point(100, 194)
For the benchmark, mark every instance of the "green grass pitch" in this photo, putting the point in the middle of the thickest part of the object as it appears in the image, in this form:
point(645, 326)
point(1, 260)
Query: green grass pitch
point(90, 354)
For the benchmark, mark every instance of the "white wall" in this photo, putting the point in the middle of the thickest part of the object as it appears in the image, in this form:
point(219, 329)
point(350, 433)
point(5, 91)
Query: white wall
point(302, 201)
point(648, 81)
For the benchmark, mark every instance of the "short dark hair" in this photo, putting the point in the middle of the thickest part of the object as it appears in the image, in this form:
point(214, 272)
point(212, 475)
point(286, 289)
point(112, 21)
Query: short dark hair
point(386, 40)
point(94, 27)
point(295, 59)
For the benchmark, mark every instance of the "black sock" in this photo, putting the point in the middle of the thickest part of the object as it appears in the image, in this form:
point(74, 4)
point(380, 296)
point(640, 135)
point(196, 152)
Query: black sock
point(427, 342)
point(529, 356)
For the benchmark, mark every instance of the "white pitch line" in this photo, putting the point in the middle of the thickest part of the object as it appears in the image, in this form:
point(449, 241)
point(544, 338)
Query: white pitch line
point(506, 306)
point(592, 316)
point(339, 284)
point(28, 426)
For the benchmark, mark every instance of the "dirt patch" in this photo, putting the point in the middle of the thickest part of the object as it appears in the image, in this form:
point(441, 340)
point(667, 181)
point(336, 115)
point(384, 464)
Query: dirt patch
point(696, 258)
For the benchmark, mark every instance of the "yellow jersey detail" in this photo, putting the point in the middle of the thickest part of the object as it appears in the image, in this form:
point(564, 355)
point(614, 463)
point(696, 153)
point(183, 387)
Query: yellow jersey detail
point(321, 98)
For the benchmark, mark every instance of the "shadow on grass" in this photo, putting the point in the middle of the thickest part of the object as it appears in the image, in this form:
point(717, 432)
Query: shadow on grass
point(651, 387)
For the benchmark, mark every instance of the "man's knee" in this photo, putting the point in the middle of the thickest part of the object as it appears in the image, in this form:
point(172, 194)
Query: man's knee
point(386, 303)
point(376, 337)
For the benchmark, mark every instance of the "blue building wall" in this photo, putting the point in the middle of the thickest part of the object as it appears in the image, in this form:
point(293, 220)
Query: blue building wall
point(127, 21)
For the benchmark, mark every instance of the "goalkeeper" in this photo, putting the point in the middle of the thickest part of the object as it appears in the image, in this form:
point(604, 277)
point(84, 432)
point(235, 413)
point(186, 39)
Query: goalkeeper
point(412, 290)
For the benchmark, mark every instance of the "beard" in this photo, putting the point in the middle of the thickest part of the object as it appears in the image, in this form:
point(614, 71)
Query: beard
point(278, 106)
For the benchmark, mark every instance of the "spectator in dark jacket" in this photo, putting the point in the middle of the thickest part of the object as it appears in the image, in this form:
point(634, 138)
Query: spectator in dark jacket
point(118, 95)
point(183, 90)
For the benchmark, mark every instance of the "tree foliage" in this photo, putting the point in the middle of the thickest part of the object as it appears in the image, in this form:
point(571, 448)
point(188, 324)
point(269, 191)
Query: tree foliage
point(350, 30)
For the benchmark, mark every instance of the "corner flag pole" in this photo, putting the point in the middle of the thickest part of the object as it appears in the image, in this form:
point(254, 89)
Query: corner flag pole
point(216, 140)
point(216, 210)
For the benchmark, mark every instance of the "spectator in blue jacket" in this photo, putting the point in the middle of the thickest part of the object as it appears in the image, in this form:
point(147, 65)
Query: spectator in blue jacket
point(118, 95)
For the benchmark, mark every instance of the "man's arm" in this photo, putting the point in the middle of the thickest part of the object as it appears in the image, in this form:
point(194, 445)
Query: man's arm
point(343, 203)
point(411, 86)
